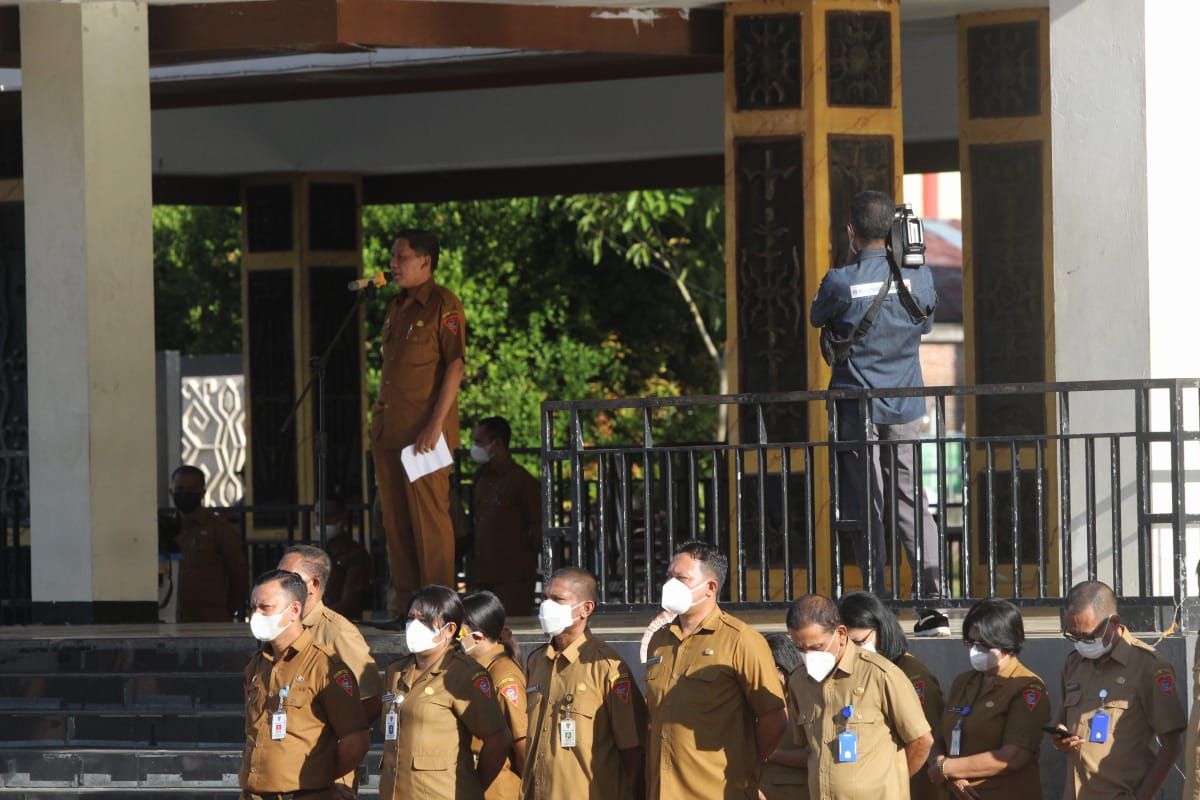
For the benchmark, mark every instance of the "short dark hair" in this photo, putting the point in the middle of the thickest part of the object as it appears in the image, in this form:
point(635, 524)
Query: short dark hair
point(497, 428)
point(997, 623)
point(484, 612)
point(1094, 595)
point(871, 214)
point(435, 603)
point(865, 610)
point(423, 242)
point(291, 583)
point(314, 558)
point(712, 560)
point(188, 469)
point(813, 609)
point(784, 651)
point(582, 582)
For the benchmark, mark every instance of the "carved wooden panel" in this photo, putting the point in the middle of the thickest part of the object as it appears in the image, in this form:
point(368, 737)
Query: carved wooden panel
point(766, 65)
point(858, 53)
point(332, 216)
point(329, 303)
point(1003, 70)
point(272, 385)
point(856, 164)
point(269, 218)
point(1007, 264)
point(770, 279)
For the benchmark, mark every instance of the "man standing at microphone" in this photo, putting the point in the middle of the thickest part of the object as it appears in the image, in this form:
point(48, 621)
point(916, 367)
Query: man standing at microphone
point(423, 347)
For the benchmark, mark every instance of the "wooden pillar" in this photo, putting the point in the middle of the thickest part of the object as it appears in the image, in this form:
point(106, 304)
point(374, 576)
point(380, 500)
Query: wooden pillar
point(1008, 300)
point(812, 116)
point(301, 244)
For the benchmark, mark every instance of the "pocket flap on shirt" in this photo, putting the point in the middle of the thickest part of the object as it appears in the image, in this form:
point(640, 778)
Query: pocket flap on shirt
point(867, 716)
point(1118, 704)
point(430, 763)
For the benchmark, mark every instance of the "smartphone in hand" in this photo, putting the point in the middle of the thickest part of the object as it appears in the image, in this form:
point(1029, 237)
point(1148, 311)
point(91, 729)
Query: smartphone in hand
point(1054, 730)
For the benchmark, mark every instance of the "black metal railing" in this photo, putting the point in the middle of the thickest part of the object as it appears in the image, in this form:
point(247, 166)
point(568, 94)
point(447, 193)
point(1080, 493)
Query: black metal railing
point(1003, 492)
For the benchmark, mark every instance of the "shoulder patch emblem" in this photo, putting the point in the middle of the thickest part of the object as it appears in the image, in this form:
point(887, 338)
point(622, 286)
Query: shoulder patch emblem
point(1165, 679)
point(1033, 696)
point(484, 684)
point(919, 685)
point(510, 692)
point(345, 680)
point(621, 689)
point(452, 322)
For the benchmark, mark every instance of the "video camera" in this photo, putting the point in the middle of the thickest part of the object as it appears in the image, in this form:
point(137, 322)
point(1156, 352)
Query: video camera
point(906, 243)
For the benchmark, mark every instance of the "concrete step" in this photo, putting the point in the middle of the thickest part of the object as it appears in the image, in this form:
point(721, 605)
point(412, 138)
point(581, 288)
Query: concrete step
point(144, 728)
point(107, 691)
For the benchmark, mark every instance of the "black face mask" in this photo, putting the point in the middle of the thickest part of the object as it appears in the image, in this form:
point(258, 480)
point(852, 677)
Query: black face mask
point(186, 501)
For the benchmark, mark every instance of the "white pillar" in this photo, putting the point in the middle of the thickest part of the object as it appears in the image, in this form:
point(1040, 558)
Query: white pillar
point(86, 125)
point(1124, 178)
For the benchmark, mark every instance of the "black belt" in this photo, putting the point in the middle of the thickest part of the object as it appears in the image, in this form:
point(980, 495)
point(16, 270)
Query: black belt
point(296, 795)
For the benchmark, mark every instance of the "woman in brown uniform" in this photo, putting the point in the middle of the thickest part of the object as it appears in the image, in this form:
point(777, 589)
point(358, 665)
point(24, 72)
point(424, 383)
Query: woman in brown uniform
point(784, 775)
point(990, 732)
point(436, 700)
point(872, 626)
point(482, 631)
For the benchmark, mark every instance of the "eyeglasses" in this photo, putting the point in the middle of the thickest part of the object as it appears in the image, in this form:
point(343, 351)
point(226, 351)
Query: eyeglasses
point(1096, 634)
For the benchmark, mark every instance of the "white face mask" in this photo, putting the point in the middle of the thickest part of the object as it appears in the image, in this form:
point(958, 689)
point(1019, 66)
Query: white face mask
point(265, 627)
point(869, 647)
point(1096, 648)
point(818, 665)
point(467, 648)
point(677, 597)
point(419, 637)
point(556, 617)
point(480, 454)
point(984, 658)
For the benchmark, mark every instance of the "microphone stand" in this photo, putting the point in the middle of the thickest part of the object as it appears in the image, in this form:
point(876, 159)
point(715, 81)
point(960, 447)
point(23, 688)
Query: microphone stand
point(318, 365)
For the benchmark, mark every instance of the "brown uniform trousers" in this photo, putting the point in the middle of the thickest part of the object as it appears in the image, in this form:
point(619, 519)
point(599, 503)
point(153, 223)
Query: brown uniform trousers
point(507, 516)
point(424, 332)
point(590, 680)
point(322, 705)
point(929, 692)
point(1011, 711)
point(212, 569)
point(349, 576)
point(438, 713)
point(704, 693)
point(886, 715)
point(1142, 703)
point(508, 683)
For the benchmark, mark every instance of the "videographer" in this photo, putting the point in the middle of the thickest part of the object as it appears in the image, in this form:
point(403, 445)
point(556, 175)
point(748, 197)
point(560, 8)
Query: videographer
point(872, 338)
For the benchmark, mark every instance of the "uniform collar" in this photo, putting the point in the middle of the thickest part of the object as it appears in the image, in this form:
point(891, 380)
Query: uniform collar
point(312, 617)
point(421, 293)
point(436, 669)
point(871, 252)
point(709, 623)
point(849, 659)
point(1122, 648)
point(571, 651)
point(299, 646)
point(486, 654)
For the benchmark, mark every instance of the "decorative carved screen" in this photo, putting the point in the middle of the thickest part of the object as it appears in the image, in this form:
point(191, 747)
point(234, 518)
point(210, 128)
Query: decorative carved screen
point(858, 53)
point(766, 66)
point(856, 164)
point(213, 435)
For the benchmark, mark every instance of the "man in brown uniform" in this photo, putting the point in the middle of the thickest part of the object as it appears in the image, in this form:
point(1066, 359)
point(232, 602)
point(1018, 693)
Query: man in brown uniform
point(1118, 695)
point(350, 571)
point(716, 707)
point(507, 517)
point(304, 722)
point(212, 567)
point(856, 711)
point(423, 349)
point(579, 677)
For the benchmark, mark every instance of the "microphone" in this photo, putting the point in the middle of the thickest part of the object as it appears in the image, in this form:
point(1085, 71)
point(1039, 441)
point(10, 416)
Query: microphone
point(377, 282)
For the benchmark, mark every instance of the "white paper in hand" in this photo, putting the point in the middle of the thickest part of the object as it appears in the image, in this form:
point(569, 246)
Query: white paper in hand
point(418, 465)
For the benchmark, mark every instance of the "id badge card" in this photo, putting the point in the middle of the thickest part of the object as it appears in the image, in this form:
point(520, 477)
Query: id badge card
point(390, 725)
point(278, 725)
point(847, 747)
point(566, 733)
point(1098, 728)
point(956, 741)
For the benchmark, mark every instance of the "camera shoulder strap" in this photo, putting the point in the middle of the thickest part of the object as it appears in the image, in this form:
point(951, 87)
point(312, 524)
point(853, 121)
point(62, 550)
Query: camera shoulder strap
point(868, 319)
point(906, 298)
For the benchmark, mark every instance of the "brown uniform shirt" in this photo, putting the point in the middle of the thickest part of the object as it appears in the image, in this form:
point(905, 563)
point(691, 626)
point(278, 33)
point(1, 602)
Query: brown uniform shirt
point(1143, 702)
point(610, 716)
point(349, 576)
point(212, 569)
point(1011, 711)
point(929, 692)
point(438, 713)
point(704, 694)
point(1191, 753)
point(508, 684)
point(322, 705)
point(886, 715)
point(506, 511)
point(332, 629)
point(424, 331)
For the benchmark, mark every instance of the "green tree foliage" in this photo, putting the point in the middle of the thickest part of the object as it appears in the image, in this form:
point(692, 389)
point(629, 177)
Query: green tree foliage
point(197, 279)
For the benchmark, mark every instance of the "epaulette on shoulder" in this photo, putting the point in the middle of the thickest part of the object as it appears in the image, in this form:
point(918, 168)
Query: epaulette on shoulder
point(328, 650)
